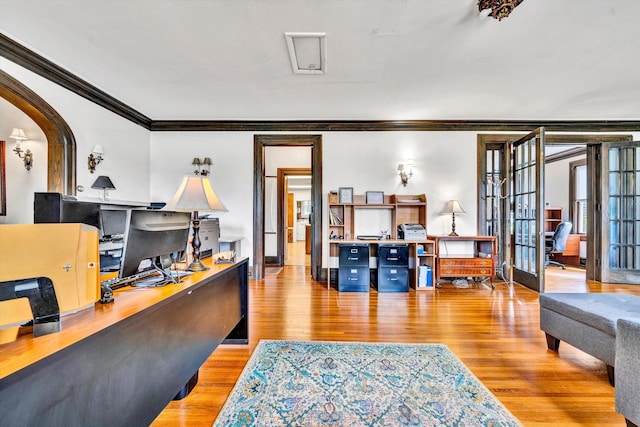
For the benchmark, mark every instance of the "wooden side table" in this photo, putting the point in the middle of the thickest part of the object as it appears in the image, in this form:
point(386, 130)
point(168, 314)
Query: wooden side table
point(479, 262)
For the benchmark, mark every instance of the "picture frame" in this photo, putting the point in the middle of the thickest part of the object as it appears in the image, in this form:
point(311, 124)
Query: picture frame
point(345, 195)
point(375, 197)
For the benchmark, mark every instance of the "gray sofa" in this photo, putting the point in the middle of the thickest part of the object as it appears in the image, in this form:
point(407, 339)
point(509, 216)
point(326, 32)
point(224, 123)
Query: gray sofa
point(628, 371)
point(591, 322)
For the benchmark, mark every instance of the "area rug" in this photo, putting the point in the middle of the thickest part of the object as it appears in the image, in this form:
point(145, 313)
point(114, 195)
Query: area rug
point(307, 383)
point(272, 270)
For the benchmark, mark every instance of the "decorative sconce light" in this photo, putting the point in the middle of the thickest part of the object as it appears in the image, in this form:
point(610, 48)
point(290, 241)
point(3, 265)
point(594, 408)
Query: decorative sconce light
point(405, 170)
point(95, 157)
point(203, 167)
point(453, 207)
point(26, 156)
point(497, 9)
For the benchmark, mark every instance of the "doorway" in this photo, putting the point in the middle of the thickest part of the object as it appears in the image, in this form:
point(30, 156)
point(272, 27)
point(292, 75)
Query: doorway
point(261, 143)
point(495, 211)
point(294, 219)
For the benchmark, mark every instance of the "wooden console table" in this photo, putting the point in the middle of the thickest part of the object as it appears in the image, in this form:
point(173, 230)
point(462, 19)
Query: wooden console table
point(479, 262)
point(119, 364)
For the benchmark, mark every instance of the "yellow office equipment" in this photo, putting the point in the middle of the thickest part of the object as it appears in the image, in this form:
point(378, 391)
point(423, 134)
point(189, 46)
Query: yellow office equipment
point(64, 254)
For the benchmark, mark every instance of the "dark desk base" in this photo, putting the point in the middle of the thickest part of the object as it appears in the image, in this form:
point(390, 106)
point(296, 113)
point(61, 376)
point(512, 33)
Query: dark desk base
point(126, 374)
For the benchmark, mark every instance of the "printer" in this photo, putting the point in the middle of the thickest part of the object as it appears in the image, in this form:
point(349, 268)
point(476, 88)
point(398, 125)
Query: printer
point(412, 232)
point(46, 270)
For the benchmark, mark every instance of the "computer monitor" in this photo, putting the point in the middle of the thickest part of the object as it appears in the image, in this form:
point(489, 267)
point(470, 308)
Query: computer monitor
point(152, 234)
point(113, 223)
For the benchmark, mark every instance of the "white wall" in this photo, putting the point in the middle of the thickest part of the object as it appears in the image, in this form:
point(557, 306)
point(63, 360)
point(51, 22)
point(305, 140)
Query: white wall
point(148, 167)
point(556, 185)
point(231, 174)
point(445, 168)
point(126, 144)
point(22, 183)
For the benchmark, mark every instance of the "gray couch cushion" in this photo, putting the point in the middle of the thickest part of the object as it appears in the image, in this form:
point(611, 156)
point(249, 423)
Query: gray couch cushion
point(628, 370)
point(598, 310)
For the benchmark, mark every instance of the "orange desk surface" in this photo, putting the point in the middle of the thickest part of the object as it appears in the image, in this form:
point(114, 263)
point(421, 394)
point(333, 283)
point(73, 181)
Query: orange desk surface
point(27, 350)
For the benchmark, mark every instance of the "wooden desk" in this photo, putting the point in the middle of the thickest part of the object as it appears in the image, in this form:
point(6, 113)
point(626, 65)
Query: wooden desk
point(571, 253)
point(479, 262)
point(120, 364)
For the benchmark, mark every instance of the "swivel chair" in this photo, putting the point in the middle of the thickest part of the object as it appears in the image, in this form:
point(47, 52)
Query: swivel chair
point(558, 243)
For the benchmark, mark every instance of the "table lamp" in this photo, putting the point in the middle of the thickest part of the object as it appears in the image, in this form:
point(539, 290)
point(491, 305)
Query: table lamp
point(103, 183)
point(453, 207)
point(195, 194)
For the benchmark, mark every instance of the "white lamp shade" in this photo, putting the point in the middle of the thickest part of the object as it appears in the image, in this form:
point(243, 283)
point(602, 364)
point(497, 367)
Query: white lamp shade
point(453, 206)
point(98, 149)
point(18, 134)
point(195, 194)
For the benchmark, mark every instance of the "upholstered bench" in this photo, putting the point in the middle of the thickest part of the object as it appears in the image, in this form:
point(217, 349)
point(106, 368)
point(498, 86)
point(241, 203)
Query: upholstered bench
point(587, 321)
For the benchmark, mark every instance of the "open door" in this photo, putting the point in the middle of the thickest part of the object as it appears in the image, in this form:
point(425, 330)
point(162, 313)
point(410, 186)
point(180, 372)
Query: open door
point(527, 232)
point(617, 221)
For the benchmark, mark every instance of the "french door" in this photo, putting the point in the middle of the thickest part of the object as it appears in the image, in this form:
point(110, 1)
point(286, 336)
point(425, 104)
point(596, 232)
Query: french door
point(618, 221)
point(527, 232)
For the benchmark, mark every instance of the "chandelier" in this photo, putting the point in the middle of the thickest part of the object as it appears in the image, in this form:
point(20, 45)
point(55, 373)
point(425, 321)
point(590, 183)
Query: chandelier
point(497, 9)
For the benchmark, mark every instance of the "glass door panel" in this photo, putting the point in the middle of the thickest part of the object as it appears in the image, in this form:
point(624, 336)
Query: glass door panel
point(621, 234)
point(528, 261)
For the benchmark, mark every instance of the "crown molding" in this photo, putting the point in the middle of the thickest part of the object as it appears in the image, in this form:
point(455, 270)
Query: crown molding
point(30, 60)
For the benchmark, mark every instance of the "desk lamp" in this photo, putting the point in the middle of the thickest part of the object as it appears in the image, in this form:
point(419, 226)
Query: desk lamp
point(195, 194)
point(453, 207)
point(103, 183)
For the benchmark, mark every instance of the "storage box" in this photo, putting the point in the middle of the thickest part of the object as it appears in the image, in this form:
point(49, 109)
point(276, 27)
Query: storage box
point(425, 276)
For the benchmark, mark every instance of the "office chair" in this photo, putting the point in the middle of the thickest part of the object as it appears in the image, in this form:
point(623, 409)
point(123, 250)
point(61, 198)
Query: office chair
point(557, 243)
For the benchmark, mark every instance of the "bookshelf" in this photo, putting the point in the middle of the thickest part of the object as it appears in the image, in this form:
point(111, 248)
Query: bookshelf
point(552, 217)
point(343, 227)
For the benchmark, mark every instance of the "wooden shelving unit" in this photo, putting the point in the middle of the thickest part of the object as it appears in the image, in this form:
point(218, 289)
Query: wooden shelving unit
point(552, 217)
point(404, 209)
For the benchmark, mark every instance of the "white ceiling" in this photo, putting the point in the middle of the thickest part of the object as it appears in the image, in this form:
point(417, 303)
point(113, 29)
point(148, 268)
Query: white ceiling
point(386, 59)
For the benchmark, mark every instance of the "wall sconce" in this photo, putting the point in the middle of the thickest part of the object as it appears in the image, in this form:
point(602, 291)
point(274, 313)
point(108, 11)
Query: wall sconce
point(26, 156)
point(405, 170)
point(95, 157)
point(203, 167)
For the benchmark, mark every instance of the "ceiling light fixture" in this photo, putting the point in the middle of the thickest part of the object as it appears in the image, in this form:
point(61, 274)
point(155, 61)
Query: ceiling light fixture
point(307, 52)
point(497, 9)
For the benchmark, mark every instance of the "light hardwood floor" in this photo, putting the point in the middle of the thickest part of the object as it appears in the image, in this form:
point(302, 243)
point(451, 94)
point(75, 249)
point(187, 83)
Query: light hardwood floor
point(494, 332)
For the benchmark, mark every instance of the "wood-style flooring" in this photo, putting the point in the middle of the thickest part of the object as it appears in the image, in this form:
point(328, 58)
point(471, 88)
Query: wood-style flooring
point(494, 332)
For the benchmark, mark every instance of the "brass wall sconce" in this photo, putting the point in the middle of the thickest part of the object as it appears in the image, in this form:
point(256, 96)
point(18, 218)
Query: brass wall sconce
point(26, 156)
point(95, 157)
point(203, 167)
point(497, 9)
point(405, 170)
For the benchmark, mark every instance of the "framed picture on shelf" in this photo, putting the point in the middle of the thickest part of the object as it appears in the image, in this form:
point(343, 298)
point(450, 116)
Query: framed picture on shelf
point(375, 197)
point(345, 195)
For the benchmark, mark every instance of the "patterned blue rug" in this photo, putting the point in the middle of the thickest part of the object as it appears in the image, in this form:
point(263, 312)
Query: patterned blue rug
point(307, 383)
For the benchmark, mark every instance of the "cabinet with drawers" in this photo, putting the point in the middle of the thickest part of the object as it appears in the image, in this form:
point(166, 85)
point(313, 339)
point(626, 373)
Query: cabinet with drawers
point(353, 270)
point(479, 262)
point(393, 268)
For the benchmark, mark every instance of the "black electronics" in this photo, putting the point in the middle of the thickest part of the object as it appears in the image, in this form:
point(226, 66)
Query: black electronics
point(152, 239)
